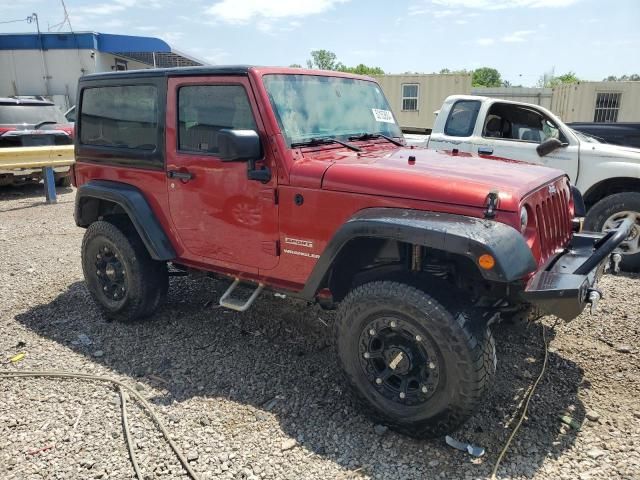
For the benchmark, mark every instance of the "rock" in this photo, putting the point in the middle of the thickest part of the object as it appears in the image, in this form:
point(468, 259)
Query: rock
point(593, 415)
point(139, 387)
point(624, 348)
point(192, 456)
point(98, 353)
point(84, 339)
point(636, 414)
point(595, 453)
point(288, 444)
point(434, 463)
point(380, 429)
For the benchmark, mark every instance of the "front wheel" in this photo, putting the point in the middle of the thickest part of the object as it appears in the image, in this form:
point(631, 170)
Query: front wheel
point(413, 364)
point(608, 214)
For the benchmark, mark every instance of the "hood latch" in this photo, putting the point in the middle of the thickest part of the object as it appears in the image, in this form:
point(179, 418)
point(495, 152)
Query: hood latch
point(491, 204)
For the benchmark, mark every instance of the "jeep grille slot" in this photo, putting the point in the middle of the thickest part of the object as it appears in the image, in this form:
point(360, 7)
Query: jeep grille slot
point(551, 206)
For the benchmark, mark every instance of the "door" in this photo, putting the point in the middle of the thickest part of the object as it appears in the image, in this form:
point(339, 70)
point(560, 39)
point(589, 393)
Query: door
point(456, 130)
point(514, 131)
point(220, 216)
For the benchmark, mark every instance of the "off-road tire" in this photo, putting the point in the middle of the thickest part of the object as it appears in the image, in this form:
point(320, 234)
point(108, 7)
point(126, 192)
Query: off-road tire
point(604, 209)
point(64, 182)
point(146, 279)
point(466, 352)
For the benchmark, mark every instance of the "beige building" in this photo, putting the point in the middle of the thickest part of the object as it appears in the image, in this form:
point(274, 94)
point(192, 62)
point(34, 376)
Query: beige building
point(597, 102)
point(414, 98)
point(537, 96)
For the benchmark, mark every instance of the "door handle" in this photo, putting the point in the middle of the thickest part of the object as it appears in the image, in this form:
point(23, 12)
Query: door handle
point(485, 150)
point(184, 176)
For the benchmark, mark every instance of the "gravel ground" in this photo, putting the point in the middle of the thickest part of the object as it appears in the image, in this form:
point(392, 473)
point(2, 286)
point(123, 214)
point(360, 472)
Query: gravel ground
point(259, 394)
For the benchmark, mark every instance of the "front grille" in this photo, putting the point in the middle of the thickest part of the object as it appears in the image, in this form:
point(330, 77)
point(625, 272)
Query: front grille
point(553, 217)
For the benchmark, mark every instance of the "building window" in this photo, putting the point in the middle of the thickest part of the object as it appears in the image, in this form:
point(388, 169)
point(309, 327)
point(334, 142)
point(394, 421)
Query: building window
point(607, 106)
point(410, 96)
point(120, 65)
point(204, 110)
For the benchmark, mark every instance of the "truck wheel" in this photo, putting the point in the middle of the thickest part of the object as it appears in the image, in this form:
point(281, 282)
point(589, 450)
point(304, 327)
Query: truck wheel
point(121, 276)
point(64, 182)
point(609, 213)
point(413, 364)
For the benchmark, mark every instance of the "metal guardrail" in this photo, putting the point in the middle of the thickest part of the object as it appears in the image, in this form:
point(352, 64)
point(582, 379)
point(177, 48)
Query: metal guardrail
point(46, 157)
point(36, 157)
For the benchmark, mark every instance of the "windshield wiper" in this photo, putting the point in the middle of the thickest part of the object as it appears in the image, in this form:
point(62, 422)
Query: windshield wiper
point(46, 122)
point(324, 141)
point(372, 136)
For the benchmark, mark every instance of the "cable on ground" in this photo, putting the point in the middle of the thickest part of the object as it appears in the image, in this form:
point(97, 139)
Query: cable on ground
point(526, 403)
point(51, 374)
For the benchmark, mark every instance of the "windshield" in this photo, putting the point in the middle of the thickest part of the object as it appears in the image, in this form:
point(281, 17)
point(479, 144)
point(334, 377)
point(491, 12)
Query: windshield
point(584, 137)
point(30, 114)
point(309, 106)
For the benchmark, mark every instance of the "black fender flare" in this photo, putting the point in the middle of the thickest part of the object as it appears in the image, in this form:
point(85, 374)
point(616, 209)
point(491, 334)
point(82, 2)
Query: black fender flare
point(135, 205)
point(458, 234)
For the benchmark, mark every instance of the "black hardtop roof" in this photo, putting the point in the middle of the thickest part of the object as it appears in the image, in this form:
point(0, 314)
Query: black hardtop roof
point(24, 101)
point(170, 72)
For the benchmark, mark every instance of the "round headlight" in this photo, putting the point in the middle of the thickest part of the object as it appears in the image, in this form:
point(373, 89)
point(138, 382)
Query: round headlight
point(524, 219)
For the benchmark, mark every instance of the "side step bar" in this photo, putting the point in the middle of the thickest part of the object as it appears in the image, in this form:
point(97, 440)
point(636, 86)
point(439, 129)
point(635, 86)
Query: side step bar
point(235, 303)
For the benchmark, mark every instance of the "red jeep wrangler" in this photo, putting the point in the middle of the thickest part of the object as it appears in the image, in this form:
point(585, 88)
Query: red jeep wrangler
point(299, 181)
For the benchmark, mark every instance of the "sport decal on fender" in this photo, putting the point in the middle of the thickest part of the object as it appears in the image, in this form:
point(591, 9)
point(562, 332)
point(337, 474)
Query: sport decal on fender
point(383, 115)
point(298, 242)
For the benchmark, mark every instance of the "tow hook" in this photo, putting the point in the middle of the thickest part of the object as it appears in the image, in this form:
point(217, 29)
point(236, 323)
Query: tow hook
point(616, 258)
point(593, 299)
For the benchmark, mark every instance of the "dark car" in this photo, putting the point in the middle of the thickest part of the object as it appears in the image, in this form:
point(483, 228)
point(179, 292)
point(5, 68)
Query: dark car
point(626, 134)
point(30, 122)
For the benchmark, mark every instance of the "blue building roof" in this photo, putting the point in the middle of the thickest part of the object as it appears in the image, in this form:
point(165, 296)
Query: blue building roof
point(102, 42)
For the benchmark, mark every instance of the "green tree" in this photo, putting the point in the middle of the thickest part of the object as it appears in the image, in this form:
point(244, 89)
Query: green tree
point(486, 77)
point(634, 77)
point(360, 69)
point(322, 60)
point(445, 71)
point(550, 80)
point(327, 60)
point(295, 65)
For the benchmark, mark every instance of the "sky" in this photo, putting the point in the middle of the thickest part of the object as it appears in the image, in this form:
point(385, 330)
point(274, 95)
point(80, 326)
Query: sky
point(523, 39)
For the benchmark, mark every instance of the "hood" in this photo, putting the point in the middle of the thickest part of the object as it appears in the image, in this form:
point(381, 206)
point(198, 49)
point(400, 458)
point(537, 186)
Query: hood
point(461, 179)
point(608, 150)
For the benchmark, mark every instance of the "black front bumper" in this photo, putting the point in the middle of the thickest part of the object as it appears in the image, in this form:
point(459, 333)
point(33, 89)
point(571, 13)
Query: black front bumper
point(564, 287)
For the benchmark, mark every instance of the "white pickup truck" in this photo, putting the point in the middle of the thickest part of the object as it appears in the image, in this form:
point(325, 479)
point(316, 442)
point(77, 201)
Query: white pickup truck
point(608, 176)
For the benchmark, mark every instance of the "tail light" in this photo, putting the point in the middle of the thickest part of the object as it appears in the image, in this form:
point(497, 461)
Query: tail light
point(4, 130)
point(68, 129)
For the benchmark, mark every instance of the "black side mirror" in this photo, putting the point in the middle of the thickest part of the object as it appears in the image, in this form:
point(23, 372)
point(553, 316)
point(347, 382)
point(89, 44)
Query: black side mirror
point(548, 146)
point(235, 145)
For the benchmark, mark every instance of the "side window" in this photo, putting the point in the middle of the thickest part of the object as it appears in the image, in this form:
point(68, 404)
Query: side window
point(550, 130)
point(462, 118)
point(120, 117)
point(204, 110)
point(507, 121)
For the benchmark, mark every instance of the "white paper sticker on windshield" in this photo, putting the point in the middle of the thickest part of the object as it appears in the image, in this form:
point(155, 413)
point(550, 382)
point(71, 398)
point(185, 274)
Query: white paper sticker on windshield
point(382, 115)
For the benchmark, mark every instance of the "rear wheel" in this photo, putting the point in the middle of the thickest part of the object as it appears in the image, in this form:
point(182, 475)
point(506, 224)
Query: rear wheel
point(413, 364)
point(609, 213)
point(121, 276)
